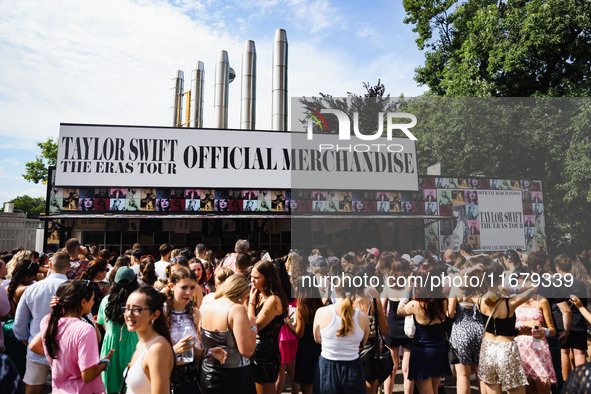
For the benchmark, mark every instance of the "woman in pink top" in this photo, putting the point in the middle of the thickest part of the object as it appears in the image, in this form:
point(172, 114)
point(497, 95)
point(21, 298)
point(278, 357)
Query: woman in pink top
point(71, 345)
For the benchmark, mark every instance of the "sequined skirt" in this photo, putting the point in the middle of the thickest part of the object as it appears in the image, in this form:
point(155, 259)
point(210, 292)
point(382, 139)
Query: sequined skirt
point(500, 363)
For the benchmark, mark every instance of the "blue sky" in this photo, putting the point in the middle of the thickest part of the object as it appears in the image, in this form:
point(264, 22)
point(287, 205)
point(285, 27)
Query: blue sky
point(111, 61)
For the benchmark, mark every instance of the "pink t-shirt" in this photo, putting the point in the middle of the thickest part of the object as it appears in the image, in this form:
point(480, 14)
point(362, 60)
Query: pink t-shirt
point(78, 350)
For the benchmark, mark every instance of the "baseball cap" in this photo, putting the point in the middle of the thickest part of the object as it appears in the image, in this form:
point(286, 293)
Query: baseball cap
point(374, 251)
point(124, 276)
point(417, 260)
point(318, 261)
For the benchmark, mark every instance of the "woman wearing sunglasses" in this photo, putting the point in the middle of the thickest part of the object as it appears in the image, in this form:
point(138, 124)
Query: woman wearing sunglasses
point(152, 363)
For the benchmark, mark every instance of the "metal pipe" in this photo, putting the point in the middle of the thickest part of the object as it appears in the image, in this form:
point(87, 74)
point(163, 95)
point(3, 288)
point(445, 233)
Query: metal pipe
point(176, 108)
point(222, 82)
point(248, 89)
point(197, 80)
point(279, 112)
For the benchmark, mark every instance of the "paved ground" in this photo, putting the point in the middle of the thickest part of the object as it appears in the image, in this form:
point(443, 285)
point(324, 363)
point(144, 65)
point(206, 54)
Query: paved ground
point(449, 385)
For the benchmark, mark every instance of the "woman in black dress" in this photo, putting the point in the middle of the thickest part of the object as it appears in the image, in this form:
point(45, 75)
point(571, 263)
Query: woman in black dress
point(428, 361)
point(396, 339)
point(268, 304)
point(308, 350)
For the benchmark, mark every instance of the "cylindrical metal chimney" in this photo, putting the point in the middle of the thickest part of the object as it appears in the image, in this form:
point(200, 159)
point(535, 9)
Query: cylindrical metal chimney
point(197, 79)
point(248, 91)
point(279, 117)
point(222, 82)
point(176, 108)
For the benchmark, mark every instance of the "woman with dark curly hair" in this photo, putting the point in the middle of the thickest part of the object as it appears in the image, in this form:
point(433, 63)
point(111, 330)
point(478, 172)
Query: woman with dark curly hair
point(96, 272)
point(117, 336)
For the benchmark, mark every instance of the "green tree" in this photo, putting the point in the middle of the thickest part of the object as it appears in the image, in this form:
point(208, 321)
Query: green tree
point(33, 207)
point(37, 170)
point(503, 48)
point(512, 48)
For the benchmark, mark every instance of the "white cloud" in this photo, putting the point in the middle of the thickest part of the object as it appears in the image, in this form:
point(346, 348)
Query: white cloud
point(7, 195)
point(318, 15)
point(11, 161)
point(104, 62)
point(112, 61)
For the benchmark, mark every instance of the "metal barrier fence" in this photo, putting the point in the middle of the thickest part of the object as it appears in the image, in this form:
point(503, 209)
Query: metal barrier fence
point(16, 230)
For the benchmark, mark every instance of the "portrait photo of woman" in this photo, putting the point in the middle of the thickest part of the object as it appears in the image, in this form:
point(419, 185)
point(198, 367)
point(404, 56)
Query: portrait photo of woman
point(462, 228)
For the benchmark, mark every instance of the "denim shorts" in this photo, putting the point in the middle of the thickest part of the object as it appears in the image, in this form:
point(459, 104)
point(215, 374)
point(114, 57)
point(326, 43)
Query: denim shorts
point(336, 377)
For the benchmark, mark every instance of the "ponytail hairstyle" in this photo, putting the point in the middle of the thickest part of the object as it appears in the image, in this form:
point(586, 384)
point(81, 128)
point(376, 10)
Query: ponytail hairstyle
point(236, 288)
point(222, 274)
point(179, 273)
point(20, 274)
point(348, 291)
point(148, 270)
point(94, 268)
point(272, 282)
point(70, 295)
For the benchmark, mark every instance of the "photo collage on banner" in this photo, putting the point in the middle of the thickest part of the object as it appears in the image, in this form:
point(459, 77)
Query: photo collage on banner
point(240, 201)
point(454, 198)
point(505, 216)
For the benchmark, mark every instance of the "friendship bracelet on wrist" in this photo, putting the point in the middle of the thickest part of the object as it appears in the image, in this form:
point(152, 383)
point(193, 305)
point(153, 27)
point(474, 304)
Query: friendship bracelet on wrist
point(105, 361)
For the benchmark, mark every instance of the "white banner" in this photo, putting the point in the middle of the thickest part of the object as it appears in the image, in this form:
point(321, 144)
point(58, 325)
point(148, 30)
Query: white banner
point(174, 157)
point(501, 220)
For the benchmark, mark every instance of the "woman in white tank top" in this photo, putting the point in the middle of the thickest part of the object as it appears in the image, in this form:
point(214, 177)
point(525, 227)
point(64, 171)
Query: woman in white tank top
point(153, 355)
point(342, 332)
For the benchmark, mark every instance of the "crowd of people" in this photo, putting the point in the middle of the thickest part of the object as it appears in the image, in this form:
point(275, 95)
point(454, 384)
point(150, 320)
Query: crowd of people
point(92, 321)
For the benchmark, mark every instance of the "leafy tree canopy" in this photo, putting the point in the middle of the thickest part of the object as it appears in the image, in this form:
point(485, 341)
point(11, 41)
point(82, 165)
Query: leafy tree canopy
point(512, 48)
point(37, 170)
point(503, 48)
point(33, 207)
